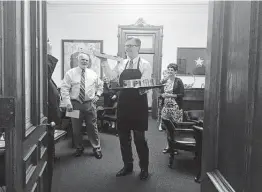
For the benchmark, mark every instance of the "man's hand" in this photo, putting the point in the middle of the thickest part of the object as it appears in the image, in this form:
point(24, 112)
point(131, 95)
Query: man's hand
point(164, 80)
point(103, 61)
point(143, 91)
point(114, 97)
point(49, 47)
point(69, 108)
point(96, 98)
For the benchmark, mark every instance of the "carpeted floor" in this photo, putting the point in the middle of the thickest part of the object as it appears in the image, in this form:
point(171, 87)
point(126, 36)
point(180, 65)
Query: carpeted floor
point(87, 174)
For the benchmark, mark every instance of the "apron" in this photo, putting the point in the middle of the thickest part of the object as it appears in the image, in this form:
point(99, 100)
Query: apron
point(132, 108)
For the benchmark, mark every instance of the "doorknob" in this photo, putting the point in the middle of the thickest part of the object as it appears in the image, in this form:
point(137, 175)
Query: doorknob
point(52, 124)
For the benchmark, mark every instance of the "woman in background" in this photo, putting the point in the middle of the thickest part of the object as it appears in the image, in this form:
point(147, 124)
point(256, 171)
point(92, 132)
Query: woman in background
point(173, 93)
point(161, 101)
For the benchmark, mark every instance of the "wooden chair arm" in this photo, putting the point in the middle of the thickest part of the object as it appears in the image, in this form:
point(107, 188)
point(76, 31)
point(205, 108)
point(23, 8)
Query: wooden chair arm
point(184, 124)
point(184, 130)
point(198, 128)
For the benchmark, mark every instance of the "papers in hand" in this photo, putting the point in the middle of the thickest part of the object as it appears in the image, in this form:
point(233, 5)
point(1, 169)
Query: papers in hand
point(73, 114)
point(2, 144)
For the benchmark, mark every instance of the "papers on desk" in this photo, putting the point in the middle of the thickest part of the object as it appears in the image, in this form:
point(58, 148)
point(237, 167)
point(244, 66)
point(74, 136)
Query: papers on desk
point(73, 114)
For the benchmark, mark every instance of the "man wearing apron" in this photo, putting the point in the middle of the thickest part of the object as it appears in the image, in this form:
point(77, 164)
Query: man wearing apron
point(132, 111)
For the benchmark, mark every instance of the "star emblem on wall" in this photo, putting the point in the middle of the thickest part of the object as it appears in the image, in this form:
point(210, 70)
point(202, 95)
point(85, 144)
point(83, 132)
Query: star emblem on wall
point(199, 62)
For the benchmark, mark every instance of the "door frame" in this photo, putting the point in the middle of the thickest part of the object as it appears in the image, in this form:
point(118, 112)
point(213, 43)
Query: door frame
point(141, 27)
point(17, 137)
point(12, 73)
point(212, 179)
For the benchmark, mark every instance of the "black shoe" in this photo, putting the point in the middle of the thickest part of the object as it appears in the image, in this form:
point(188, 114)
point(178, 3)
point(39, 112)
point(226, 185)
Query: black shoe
point(79, 152)
point(143, 174)
point(125, 171)
point(98, 153)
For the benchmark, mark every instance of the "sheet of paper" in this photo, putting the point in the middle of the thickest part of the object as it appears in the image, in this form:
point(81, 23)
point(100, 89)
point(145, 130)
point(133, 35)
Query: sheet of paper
point(2, 144)
point(73, 114)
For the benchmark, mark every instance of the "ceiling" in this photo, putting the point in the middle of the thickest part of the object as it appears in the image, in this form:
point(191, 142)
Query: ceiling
point(129, 2)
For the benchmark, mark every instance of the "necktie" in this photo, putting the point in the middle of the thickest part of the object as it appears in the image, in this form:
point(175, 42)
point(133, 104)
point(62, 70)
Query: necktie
point(82, 87)
point(131, 64)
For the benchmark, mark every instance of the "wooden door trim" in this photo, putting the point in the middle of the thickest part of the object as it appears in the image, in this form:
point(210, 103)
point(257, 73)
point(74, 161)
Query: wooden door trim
point(35, 109)
point(213, 85)
point(1, 49)
point(13, 73)
point(45, 66)
point(253, 85)
point(146, 27)
point(217, 35)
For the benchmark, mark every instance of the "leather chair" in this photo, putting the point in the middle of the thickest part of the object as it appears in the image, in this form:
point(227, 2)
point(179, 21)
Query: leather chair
point(110, 115)
point(199, 137)
point(196, 116)
point(180, 136)
point(186, 136)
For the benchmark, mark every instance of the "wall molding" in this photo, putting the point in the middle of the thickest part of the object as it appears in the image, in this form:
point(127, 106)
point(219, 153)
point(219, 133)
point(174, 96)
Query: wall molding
point(129, 9)
point(129, 2)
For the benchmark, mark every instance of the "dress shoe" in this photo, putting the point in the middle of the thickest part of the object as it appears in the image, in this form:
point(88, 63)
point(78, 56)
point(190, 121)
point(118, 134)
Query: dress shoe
point(125, 171)
point(143, 174)
point(79, 152)
point(166, 150)
point(98, 153)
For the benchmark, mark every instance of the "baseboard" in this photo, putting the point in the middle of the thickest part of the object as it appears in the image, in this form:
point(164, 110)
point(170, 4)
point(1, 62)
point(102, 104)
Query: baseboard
point(219, 182)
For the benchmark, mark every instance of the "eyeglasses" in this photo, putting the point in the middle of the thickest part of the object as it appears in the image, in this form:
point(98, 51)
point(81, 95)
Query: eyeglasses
point(129, 46)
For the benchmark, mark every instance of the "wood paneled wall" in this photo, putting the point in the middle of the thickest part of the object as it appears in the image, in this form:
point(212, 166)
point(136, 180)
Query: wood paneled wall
point(232, 153)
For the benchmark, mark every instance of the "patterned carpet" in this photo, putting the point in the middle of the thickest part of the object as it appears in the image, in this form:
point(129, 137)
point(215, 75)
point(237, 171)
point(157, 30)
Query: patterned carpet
point(87, 174)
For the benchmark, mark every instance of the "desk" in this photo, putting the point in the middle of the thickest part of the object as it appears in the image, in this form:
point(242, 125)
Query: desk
point(193, 99)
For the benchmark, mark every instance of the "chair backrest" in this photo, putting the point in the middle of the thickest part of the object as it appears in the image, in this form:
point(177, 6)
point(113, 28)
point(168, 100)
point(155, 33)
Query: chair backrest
point(170, 127)
point(100, 102)
point(194, 115)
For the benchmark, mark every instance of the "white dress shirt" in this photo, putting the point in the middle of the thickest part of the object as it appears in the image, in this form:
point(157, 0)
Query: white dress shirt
point(70, 86)
point(144, 67)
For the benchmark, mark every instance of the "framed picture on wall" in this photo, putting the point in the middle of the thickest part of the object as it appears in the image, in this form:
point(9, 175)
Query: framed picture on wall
point(72, 48)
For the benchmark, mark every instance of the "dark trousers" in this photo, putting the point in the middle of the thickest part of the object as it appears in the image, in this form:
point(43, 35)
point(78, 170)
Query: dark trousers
point(87, 113)
point(141, 147)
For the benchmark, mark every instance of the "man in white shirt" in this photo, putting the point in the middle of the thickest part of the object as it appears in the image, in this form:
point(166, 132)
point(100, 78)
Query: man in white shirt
point(132, 109)
point(80, 90)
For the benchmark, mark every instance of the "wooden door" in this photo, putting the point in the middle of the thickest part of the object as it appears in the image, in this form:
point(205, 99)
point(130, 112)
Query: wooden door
point(151, 49)
point(24, 94)
point(232, 153)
